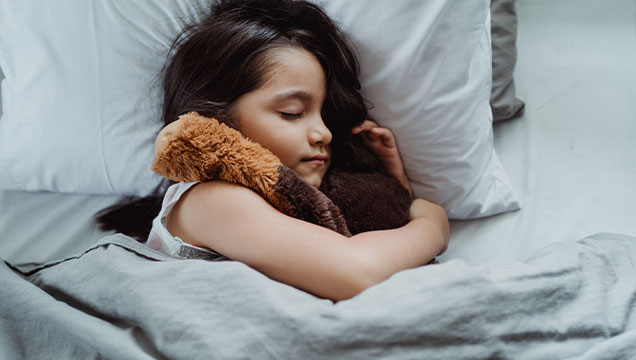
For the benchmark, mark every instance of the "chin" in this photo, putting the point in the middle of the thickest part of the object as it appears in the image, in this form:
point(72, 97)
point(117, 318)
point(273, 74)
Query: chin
point(313, 180)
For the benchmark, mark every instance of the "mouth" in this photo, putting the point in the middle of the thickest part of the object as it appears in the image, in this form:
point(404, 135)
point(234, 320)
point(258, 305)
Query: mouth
point(317, 160)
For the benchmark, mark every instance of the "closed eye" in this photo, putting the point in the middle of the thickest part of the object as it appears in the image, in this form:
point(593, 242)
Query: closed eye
point(290, 116)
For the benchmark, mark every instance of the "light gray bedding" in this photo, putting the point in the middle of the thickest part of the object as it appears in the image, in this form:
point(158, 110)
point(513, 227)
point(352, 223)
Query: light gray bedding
point(121, 300)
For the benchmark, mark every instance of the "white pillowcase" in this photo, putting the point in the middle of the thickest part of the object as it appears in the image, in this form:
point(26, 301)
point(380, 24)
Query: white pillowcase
point(426, 67)
point(79, 112)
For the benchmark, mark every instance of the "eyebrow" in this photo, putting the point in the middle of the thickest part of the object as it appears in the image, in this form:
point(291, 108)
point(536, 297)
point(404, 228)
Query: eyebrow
point(292, 94)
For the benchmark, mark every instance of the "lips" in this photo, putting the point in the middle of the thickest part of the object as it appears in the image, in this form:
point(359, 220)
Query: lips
point(317, 159)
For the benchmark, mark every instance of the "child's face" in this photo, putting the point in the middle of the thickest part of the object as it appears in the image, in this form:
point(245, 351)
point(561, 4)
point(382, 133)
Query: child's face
point(284, 115)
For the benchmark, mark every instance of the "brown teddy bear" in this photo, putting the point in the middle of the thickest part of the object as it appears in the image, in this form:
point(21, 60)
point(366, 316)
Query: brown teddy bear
point(201, 149)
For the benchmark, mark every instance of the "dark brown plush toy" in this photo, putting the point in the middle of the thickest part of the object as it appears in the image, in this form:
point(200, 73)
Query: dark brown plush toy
point(203, 149)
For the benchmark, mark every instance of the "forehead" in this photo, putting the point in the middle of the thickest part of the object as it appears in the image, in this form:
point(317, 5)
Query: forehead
point(294, 67)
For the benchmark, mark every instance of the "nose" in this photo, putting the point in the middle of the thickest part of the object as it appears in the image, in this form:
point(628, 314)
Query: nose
point(319, 134)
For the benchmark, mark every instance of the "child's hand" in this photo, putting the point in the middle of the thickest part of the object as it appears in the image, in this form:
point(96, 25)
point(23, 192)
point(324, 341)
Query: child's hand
point(382, 144)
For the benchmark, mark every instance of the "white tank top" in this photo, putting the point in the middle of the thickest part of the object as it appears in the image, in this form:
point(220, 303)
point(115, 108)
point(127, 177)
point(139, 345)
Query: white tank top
point(160, 238)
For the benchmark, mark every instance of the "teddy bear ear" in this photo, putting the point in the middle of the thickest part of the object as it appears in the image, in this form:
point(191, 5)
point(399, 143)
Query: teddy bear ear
point(180, 154)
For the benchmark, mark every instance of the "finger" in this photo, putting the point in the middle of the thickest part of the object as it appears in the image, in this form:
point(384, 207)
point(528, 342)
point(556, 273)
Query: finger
point(373, 134)
point(385, 135)
point(366, 137)
point(369, 124)
point(366, 125)
point(376, 133)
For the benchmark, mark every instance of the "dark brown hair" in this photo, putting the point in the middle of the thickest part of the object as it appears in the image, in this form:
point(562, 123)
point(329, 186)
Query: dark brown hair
point(224, 56)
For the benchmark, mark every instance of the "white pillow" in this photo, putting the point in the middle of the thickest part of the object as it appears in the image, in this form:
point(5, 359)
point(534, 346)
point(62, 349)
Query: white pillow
point(426, 67)
point(79, 115)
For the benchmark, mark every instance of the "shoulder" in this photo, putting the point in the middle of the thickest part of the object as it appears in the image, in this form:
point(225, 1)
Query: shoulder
point(216, 214)
point(216, 203)
point(236, 222)
point(221, 193)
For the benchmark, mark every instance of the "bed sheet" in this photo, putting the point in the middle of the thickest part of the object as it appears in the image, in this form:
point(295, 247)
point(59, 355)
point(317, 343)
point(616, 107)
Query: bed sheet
point(572, 155)
point(43, 226)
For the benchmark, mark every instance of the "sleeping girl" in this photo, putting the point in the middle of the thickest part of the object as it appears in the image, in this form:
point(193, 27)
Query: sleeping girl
point(282, 74)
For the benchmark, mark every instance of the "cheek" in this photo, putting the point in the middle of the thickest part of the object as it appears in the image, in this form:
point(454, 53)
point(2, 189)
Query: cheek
point(287, 155)
point(273, 134)
point(281, 146)
point(258, 131)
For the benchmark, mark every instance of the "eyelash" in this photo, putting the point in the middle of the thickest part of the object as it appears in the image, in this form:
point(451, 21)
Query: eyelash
point(290, 115)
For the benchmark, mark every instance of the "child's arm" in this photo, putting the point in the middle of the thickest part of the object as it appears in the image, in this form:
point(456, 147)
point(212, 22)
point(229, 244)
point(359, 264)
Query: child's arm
point(239, 224)
point(382, 144)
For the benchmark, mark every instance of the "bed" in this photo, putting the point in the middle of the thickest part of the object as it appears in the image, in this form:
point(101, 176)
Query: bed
point(545, 270)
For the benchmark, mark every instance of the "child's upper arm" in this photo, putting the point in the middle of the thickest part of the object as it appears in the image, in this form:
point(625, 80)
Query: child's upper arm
point(238, 223)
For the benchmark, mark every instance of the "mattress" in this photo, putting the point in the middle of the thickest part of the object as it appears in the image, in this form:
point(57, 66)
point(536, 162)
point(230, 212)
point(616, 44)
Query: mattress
point(570, 156)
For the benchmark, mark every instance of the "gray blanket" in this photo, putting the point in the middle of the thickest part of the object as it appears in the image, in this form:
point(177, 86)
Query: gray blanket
point(121, 300)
